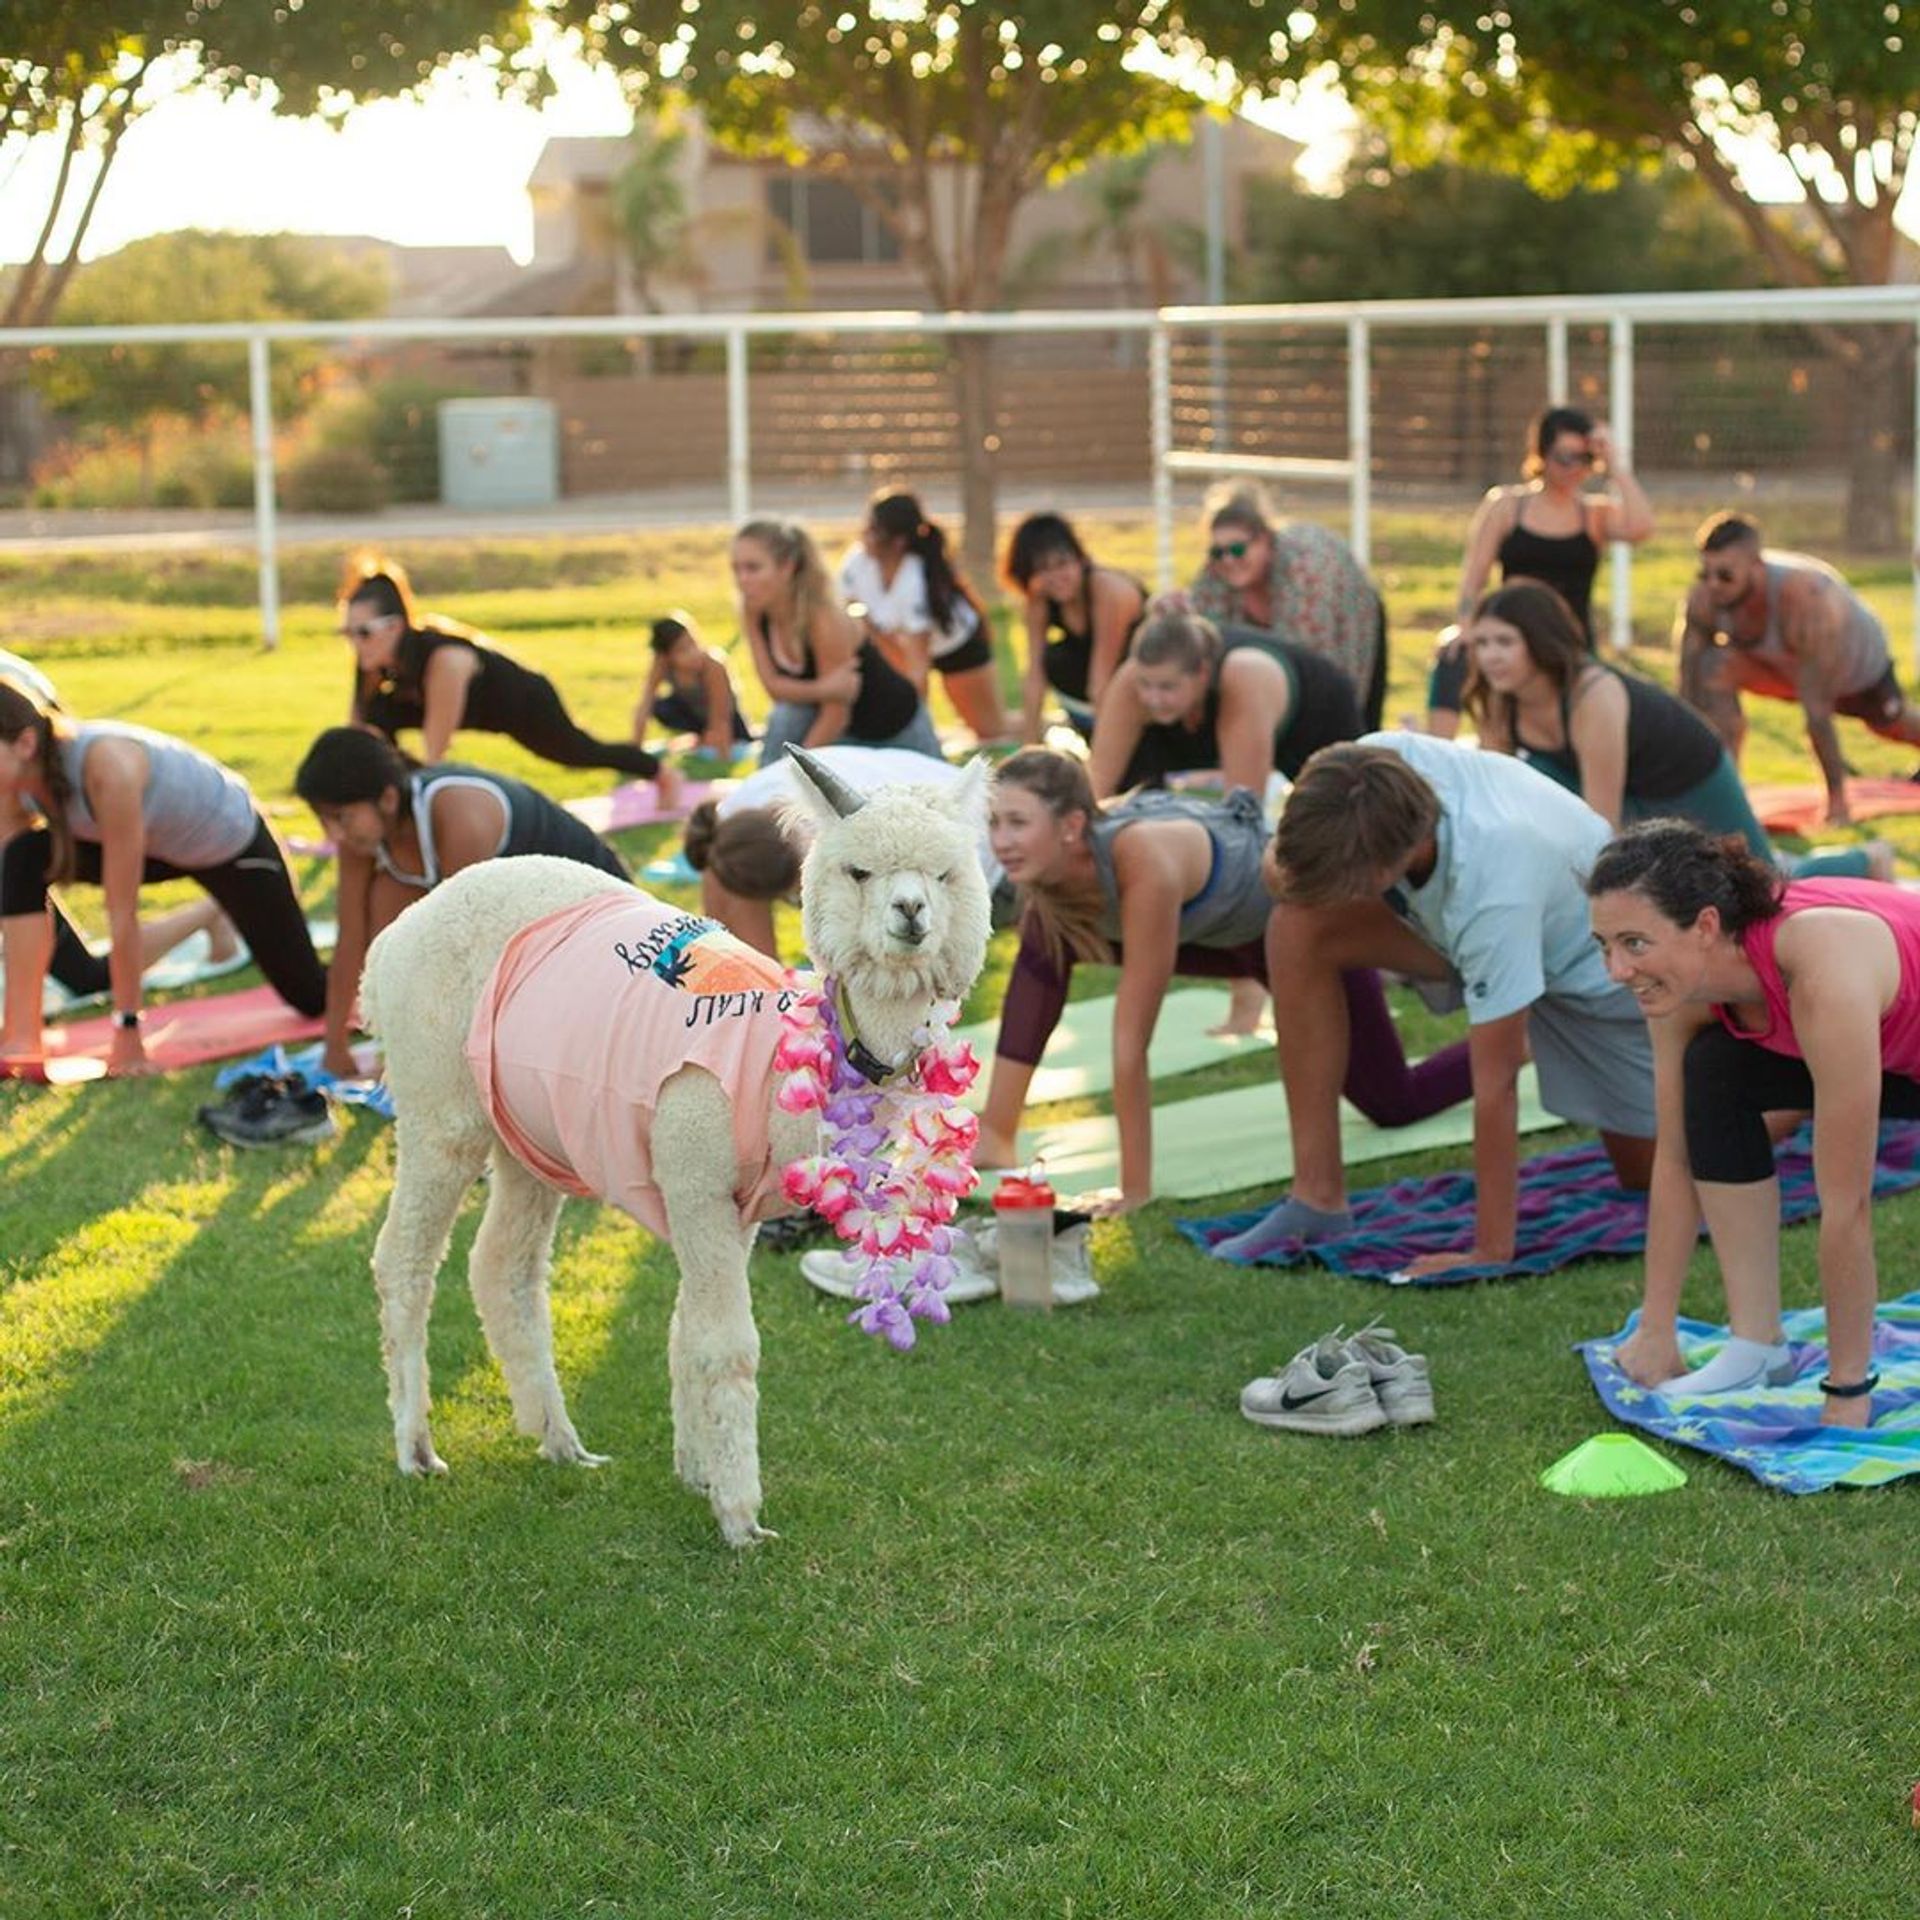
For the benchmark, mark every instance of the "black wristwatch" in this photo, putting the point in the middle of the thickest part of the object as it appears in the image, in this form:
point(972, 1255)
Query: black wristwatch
point(128, 1021)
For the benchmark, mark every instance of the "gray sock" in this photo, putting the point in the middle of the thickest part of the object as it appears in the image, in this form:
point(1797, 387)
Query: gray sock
point(1741, 1366)
point(1291, 1222)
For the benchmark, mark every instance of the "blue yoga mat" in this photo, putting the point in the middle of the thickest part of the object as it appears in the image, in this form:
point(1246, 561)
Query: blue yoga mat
point(1775, 1432)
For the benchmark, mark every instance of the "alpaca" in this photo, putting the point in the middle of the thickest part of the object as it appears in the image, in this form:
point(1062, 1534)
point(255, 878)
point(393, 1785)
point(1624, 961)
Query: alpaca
point(894, 909)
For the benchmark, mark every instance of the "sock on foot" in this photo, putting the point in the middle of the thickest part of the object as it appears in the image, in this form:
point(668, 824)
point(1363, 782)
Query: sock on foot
point(1739, 1366)
point(1291, 1221)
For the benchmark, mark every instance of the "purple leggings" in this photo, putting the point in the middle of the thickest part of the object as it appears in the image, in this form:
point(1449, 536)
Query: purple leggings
point(1380, 1082)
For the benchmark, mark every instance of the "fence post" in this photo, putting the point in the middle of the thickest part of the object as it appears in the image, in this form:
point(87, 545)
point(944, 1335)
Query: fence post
point(260, 412)
point(1620, 418)
point(1160, 406)
point(739, 449)
point(1360, 438)
point(1557, 361)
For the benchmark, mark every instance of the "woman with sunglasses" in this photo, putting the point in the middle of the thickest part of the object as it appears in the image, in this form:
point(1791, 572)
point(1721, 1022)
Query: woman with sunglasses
point(441, 677)
point(1295, 580)
point(1551, 528)
point(1081, 618)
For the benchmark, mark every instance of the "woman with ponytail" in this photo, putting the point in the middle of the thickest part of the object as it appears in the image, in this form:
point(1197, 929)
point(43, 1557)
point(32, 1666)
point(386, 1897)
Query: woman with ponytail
point(415, 670)
point(121, 806)
point(399, 829)
point(921, 611)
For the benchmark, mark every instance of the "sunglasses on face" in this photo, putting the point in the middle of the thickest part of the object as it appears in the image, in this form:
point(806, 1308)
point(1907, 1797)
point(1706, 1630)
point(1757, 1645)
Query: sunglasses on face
point(1571, 459)
point(1726, 576)
point(364, 630)
point(1229, 549)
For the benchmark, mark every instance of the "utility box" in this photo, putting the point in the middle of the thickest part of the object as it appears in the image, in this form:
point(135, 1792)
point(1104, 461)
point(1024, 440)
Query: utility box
point(499, 453)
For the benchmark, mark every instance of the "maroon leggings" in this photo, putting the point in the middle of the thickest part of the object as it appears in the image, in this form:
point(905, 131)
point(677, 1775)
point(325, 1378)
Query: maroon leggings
point(1380, 1082)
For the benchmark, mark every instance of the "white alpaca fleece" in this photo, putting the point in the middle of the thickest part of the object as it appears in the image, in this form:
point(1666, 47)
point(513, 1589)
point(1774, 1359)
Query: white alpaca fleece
point(895, 910)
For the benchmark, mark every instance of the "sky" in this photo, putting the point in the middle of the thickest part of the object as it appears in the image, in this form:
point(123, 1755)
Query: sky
point(450, 169)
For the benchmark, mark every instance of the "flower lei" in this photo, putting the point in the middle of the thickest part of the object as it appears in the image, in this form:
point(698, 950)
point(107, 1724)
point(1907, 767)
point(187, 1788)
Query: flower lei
point(897, 1158)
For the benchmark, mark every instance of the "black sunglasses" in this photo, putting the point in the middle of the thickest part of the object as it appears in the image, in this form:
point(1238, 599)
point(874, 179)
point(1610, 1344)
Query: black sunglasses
point(1229, 549)
point(1727, 576)
point(366, 629)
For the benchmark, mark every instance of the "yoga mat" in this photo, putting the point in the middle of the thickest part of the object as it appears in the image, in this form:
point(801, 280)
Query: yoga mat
point(1078, 1061)
point(183, 1033)
point(1570, 1209)
point(1803, 810)
point(1774, 1433)
point(637, 804)
point(1221, 1142)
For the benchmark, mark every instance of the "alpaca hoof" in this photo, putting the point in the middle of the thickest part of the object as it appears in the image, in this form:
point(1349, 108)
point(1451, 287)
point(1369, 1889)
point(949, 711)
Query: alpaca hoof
point(419, 1457)
point(565, 1450)
point(743, 1530)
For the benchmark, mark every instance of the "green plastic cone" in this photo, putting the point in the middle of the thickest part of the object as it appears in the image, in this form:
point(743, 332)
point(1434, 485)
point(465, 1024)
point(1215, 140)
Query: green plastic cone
point(1610, 1466)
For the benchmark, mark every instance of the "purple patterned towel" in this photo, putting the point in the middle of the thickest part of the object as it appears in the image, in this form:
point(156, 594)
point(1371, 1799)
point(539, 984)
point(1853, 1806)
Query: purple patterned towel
point(1571, 1208)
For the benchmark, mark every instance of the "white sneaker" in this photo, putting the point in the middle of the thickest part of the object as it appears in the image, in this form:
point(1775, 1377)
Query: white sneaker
point(1399, 1378)
point(834, 1270)
point(1322, 1389)
point(1073, 1281)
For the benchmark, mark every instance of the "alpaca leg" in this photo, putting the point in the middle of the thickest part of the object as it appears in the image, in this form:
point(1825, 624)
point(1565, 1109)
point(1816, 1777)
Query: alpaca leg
point(432, 1173)
point(689, 1452)
point(508, 1273)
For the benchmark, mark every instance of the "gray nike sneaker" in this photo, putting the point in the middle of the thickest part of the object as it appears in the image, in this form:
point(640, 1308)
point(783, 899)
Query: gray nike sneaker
point(1399, 1378)
point(1322, 1389)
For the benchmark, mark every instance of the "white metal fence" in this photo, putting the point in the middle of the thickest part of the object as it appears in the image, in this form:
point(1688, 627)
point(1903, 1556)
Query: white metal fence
point(787, 402)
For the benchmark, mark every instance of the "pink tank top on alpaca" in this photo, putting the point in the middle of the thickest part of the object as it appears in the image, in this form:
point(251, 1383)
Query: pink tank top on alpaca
point(587, 1014)
point(1899, 1025)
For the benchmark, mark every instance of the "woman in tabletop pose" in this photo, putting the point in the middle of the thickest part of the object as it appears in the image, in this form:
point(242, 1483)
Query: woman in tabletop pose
point(1081, 618)
point(1763, 998)
point(399, 829)
point(689, 690)
point(415, 670)
point(827, 679)
point(1159, 884)
point(121, 806)
point(1548, 528)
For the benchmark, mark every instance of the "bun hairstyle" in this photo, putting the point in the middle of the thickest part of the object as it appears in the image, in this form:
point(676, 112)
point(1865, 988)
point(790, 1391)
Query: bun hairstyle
point(20, 712)
point(751, 851)
point(1067, 918)
point(1547, 427)
point(899, 516)
point(1683, 870)
point(371, 579)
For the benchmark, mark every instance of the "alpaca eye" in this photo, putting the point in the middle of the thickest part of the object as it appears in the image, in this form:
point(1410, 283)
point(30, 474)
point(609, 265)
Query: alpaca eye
point(859, 876)
point(946, 879)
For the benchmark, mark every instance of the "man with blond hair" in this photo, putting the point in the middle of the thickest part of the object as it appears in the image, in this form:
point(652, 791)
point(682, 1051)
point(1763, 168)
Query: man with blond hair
point(1463, 871)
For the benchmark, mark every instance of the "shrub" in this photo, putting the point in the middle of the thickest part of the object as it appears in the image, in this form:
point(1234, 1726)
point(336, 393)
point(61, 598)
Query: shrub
point(333, 479)
point(176, 463)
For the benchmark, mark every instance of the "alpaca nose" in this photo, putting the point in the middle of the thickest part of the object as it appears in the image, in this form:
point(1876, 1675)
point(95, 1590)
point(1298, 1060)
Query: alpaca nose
point(912, 917)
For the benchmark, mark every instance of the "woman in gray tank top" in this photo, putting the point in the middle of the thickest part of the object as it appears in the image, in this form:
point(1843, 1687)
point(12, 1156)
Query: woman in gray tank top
point(124, 806)
point(399, 829)
point(1159, 884)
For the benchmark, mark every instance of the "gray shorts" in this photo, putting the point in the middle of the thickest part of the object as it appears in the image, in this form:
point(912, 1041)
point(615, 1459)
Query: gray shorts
point(1595, 1062)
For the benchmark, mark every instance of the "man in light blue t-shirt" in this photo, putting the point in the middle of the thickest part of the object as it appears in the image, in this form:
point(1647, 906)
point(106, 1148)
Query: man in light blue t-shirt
point(1463, 869)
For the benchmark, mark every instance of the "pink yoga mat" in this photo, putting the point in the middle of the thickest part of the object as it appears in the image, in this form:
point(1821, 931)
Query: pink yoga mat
point(183, 1033)
point(1804, 809)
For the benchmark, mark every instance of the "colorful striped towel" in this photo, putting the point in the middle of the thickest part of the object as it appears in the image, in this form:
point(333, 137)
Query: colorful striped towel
point(1775, 1432)
point(1570, 1209)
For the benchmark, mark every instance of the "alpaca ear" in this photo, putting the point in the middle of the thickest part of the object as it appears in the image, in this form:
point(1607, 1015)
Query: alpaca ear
point(827, 796)
point(966, 799)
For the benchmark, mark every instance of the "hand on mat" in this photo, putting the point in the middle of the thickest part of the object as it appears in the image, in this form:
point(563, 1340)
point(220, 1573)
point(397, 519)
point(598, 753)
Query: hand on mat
point(339, 1062)
point(1108, 1203)
point(1839, 813)
point(1430, 1263)
point(1246, 1010)
point(127, 1055)
point(667, 784)
point(1649, 1355)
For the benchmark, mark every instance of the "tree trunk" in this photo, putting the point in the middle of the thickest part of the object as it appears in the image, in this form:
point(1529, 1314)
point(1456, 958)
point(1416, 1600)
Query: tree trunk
point(1876, 394)
point(972, 359)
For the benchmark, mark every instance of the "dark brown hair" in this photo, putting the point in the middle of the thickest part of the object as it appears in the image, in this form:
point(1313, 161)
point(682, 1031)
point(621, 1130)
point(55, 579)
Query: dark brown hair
point(1354, 811)
point(1723, 530)
point(1555, 643)
point(1683, 870)
point(751, 851)
point(1545, 428)
point(19, 711)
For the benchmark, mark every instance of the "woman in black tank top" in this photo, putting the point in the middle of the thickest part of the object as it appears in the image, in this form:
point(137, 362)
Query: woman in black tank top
point(442, 678)
point(1547, 528)
point(1094, 611)
point(827, 680)
point(361, 788)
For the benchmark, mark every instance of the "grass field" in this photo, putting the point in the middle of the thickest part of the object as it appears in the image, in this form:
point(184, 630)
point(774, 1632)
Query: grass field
point(1049, 1631)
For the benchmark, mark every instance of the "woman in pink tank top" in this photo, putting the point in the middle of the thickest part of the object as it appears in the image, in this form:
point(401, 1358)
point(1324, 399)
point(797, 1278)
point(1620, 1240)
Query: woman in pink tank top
point(1765, 999)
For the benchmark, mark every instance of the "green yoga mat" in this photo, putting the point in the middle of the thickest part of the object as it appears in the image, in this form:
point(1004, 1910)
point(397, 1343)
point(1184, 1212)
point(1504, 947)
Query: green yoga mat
point(1226, 1142)
point(1078, 1061)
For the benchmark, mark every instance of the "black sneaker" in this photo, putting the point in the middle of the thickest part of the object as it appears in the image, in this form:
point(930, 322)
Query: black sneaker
point(271, 1110)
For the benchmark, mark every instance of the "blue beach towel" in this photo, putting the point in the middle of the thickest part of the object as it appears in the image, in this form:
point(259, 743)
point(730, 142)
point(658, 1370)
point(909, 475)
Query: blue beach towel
point(1570, 1209)
point(1775, 1432)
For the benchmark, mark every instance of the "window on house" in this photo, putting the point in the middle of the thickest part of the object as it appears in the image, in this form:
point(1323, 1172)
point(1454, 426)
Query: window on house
point(830, 223)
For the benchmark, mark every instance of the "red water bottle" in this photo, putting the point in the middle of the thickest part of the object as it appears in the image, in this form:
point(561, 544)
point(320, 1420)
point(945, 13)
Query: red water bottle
point(1023, 1212)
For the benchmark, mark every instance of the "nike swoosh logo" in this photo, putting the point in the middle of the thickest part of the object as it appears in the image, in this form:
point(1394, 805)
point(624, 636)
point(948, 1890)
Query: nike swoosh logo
point(1291, 1402)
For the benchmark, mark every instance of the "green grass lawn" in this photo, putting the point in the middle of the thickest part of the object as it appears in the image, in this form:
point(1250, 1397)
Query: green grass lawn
point(1049, 1630)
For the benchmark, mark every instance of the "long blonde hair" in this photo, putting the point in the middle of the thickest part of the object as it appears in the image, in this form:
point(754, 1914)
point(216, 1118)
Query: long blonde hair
point(19, 710)
point(1066, 917)
point(791, 545)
